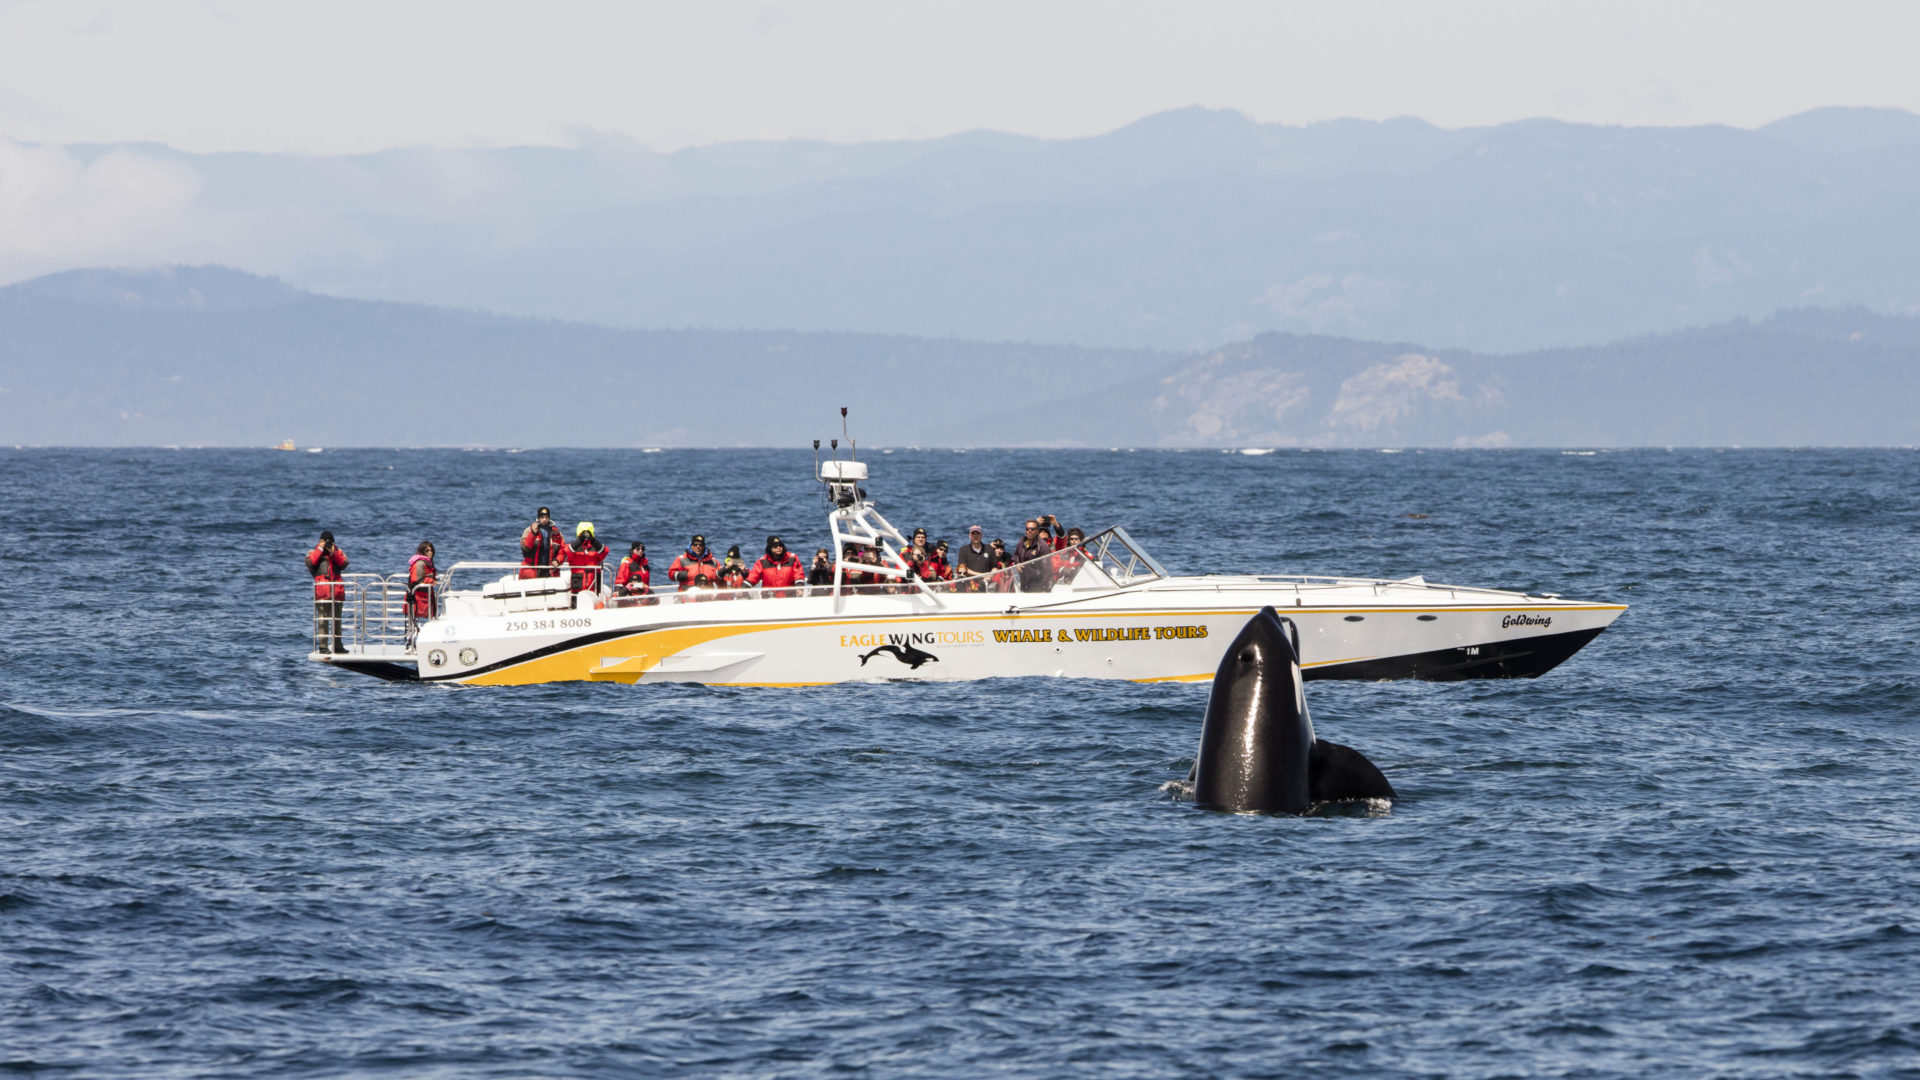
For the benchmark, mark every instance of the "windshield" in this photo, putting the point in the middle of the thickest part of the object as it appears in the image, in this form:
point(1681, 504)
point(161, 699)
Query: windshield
point(1106, 560)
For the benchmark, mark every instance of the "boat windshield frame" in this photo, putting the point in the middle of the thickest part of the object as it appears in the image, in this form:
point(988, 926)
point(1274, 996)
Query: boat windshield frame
point(1121, 559)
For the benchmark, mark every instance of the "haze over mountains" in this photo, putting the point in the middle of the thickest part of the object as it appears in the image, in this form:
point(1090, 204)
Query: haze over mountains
point(1187, 230)
point(192, 356)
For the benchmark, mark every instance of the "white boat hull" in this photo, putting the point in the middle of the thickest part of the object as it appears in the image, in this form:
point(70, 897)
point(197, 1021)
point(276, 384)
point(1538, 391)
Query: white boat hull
point(1169, 630)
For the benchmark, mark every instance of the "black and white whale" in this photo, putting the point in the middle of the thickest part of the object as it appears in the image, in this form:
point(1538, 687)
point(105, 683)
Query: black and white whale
point(909, 655)
point(1257, 748)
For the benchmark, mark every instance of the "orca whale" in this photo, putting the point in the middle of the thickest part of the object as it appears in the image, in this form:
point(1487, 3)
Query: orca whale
point(1258, 752)
point(909, 656)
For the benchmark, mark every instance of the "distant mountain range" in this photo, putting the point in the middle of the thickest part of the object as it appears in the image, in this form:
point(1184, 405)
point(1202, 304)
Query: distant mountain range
point(1185, 230)
point(208, 356)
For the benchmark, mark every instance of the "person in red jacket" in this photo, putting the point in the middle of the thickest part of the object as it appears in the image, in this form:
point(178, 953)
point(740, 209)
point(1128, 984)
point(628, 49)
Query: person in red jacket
point(588, 556)
point(542, 547)
point(325, 562)
point(935, 566)
point(1052, 531)
point(1002, 577)
point(916, 552)
point(779, 569)
point(872, 555)
point(852, 556)
point(694, 568)
point(1071, 556)
point(635, 576)
point(421, 602)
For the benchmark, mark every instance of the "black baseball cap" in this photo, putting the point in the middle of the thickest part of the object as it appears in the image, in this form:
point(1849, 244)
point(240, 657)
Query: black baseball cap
point(544, 512)
point(697, 539)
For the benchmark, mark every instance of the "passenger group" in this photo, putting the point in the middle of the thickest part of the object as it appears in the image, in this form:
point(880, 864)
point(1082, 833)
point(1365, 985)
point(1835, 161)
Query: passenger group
point(1044, 554)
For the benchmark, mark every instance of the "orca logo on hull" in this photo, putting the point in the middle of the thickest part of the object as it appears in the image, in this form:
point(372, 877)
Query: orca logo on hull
point(907, 655)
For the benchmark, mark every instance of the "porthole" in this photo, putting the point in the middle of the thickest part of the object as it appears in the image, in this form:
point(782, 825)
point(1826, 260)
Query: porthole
point(437, 658)
point(1356, 618)
point(1427, 618)
point(469, 657)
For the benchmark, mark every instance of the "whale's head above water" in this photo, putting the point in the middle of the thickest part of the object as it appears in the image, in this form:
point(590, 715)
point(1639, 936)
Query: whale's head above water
point(1257, 736)
point(1257, 747)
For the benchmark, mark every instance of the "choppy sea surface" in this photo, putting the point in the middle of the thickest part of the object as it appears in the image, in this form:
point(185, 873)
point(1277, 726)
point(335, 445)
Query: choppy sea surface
point(1693, 849)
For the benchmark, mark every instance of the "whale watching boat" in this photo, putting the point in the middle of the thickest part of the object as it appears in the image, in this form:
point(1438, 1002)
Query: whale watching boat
point(1103, 610)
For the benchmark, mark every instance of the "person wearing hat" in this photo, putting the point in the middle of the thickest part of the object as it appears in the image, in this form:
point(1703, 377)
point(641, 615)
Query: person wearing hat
point(635, 576)
point(935, 566)
point(589, 557)
point(917, 552)
point(1002, 561)
point(733, 570)
point(821, 572)
point(541, 546)
point(779, 569)
point(694, 568)
point(975, 559)
point(325, 562)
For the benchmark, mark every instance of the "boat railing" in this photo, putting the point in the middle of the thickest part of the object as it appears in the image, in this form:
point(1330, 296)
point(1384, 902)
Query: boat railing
point(548, 586)
point(366, 615)
point(522, 588)
point(1303, 583)
point(1108, 559)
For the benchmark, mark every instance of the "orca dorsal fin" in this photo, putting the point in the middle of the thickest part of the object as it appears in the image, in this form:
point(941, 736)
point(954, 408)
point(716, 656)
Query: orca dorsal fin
point(1338, 773)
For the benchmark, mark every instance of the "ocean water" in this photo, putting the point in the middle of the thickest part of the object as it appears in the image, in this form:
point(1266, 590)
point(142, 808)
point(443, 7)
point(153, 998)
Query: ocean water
point(1693, 849)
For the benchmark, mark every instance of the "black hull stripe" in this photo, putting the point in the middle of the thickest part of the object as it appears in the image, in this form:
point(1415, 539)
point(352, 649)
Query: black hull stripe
point(1522, 658)
point(379, 669)
point(563, 646)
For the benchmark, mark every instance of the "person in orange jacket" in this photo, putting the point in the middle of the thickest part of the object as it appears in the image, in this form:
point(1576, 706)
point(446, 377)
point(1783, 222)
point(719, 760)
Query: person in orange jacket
point(779, 569)
point(588, 556)
point(325, 562)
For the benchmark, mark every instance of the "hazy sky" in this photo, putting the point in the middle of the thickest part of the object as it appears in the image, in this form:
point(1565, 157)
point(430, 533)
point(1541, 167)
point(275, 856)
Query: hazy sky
point(355, 75)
